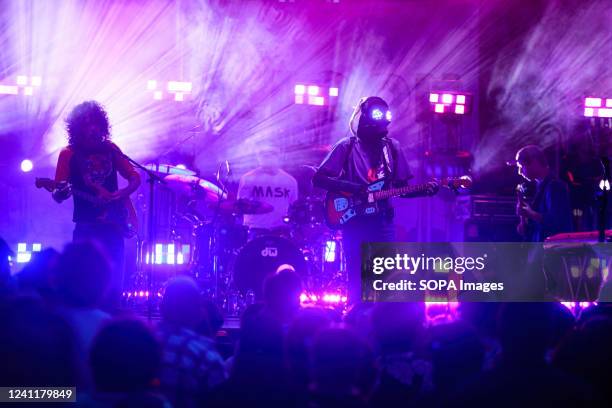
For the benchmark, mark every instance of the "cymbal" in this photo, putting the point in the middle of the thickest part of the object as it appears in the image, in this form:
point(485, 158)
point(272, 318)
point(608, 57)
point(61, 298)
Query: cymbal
point(194, 187)
point(245, 206)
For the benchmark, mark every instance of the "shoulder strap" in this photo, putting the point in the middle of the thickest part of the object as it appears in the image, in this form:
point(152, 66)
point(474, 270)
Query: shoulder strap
point(348, 154)
point(390, 162)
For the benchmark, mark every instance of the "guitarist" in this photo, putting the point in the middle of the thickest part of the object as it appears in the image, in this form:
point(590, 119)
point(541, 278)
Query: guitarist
point(357, 161)
point(90, 163)
point(549, 212)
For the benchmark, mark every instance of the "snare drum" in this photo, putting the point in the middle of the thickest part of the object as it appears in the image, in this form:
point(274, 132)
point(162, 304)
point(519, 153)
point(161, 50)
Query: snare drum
point(262, 257)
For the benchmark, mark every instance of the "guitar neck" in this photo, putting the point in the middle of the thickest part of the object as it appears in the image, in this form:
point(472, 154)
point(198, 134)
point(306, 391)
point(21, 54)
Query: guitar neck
point(396, 192)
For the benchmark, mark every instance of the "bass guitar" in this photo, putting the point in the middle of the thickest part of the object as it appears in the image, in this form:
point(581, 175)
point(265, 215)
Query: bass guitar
point(120, 212)
point(341, 208)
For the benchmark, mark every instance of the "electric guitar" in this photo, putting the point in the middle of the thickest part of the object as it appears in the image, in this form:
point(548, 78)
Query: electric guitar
point(341, 207)
point(120, 212)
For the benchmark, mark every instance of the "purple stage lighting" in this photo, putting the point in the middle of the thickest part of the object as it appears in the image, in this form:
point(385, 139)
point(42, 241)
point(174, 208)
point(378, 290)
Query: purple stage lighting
point(449, 102)
point(178, 88)
point(389, 116)
point(594, 107)
point(27, 165)
point(313, 94)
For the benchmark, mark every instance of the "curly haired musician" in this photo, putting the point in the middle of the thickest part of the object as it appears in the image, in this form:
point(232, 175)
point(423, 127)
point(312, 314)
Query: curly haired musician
point(90, 164)
point(356, 162)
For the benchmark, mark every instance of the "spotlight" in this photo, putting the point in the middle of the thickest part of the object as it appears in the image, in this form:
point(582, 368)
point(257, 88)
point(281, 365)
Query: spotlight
point(151, 84)
point(388, 116)
point(300, 89)
point(22, 80)
point(27, 165)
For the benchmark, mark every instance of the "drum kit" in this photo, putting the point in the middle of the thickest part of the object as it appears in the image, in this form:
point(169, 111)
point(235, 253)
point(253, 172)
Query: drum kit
point(230, 261)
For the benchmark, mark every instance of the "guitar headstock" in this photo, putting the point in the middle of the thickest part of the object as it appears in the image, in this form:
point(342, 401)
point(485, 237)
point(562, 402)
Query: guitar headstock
point(458, 183)
point(46, 183)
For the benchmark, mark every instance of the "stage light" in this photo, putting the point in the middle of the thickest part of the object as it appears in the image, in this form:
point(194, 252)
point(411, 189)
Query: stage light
point(300, 89)
point(181, 166)
point(151, 84)
point(170, 256)
point(28, 91)
point(604, 113)
point(389, 116)
point(36, 81)
point(178, 97)
point(594, 107)
point(179, 86)
point(592, 102)
point(159, 248)
point(9, 90)
point(22, 80)
point(449, 102)
point(316, 100)
point(157, 95)
point(27, 165)
point(314, 93)
point(330, 251)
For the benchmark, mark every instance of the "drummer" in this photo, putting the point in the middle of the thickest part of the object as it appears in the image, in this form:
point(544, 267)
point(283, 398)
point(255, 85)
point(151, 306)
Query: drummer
point(270, 184)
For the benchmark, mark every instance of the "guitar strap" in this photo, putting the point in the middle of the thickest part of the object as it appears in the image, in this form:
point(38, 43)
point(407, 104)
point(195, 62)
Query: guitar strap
point(348, 154)
point(389, 156)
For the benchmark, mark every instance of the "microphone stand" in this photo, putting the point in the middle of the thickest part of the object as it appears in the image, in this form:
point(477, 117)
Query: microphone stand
point(603, 205)
point(152, 178)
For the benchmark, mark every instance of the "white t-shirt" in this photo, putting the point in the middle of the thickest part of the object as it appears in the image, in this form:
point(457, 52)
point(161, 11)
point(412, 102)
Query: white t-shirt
point(277, 188)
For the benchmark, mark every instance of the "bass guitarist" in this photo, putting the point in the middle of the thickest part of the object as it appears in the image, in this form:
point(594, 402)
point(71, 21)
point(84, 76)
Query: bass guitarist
point(90, 164)
point(356, 162)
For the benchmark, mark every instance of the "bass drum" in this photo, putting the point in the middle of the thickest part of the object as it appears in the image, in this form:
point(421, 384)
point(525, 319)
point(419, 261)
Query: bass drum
point(262, 257)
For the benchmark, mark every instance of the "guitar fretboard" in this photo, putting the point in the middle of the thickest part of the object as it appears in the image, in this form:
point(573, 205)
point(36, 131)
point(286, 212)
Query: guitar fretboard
point(411, 189)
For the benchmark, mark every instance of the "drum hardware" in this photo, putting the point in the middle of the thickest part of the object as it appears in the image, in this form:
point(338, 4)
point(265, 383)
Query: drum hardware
point(230, 261)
